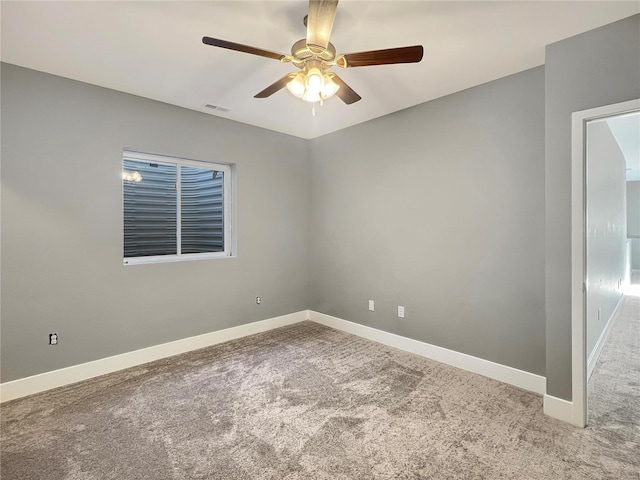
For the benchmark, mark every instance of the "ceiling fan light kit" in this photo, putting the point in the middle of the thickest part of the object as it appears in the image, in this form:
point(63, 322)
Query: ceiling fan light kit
point(315, 55)
point(313, 85)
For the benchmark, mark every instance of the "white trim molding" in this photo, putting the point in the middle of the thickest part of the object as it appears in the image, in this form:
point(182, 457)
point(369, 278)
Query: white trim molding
point(512, 376)
point(559, 409)
point(579, 121)
point(77, 373)
point(597, 349)
point(84, 371)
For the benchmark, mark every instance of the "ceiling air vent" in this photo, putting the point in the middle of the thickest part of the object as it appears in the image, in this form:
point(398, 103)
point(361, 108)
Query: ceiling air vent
point(217, 108)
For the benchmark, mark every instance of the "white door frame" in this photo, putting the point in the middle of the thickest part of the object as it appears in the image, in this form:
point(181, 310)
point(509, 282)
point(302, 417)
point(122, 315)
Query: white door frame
point(578, 251)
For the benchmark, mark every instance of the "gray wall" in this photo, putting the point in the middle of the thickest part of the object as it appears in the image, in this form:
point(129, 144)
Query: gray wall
point(606, 228)
point(633, 222)
point(633, 208)
point(439, 208)
point(596, 68)
point(62, 240)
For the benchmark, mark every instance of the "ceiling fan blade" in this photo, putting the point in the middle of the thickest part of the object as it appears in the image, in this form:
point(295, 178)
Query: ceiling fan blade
point(216, 42)
point(319, 23)
point(345, 92)
point(383, 57)
point(274, 87)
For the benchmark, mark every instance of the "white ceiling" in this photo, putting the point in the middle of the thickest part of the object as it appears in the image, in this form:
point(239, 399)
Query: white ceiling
point(154, 49)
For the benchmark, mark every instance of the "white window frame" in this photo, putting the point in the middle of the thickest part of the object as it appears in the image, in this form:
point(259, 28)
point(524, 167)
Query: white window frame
point(227, 209)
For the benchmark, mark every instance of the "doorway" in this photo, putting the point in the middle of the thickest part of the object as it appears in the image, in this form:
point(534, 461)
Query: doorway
point(601, 253)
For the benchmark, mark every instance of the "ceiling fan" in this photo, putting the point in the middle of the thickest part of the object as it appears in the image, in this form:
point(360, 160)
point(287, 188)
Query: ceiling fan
point(315, 55)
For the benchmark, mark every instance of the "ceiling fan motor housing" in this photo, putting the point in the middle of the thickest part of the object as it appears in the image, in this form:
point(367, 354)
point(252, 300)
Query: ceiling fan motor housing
point(301, 51)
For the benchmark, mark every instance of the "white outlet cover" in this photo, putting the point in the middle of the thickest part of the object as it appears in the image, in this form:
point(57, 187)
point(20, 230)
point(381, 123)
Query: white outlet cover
point(400, 311)
point(372, 306)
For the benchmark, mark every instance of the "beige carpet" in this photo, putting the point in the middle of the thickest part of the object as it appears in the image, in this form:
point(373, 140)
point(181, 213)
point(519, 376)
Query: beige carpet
point(614, 387)
point(303, 402)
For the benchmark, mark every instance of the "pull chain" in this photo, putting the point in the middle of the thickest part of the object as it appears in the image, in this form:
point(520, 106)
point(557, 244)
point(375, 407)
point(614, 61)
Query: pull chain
point(313, 108)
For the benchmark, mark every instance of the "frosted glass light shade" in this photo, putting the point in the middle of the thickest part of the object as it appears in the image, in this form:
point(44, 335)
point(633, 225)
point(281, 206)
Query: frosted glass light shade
point(329, 88)
point(313, 85)
point(296, 86)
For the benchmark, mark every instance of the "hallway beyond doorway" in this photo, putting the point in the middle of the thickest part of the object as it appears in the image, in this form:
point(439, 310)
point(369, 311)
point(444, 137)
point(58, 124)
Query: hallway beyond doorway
point(614, 387)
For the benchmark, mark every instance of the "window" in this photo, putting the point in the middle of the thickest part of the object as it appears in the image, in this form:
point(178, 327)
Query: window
point(174, 209)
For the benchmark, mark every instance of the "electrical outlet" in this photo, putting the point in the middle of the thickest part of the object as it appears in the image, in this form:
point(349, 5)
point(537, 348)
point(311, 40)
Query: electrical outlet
point(372, 306)
point(599, 313)
point(400, 311)
point(258, 300)
point(53, 338)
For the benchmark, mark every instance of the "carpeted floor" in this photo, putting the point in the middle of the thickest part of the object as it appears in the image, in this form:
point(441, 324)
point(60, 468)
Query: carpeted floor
point(614, 387)
point(307, 402)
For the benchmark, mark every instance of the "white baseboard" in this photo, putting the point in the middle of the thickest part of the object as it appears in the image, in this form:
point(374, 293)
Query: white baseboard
point(513, 376)
point(76, 373)
point(66, 376)
point(559, 409)
point(597, 349)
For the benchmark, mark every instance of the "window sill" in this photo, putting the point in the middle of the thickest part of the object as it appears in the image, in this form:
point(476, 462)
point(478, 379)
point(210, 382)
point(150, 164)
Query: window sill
point(175, 258)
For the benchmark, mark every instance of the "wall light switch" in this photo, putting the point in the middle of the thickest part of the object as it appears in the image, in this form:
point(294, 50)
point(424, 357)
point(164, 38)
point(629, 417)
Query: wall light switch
point(400, 311)
point(372, 306)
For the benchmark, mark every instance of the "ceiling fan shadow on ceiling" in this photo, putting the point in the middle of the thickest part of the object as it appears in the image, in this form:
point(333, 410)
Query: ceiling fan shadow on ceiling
point(314, 56)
